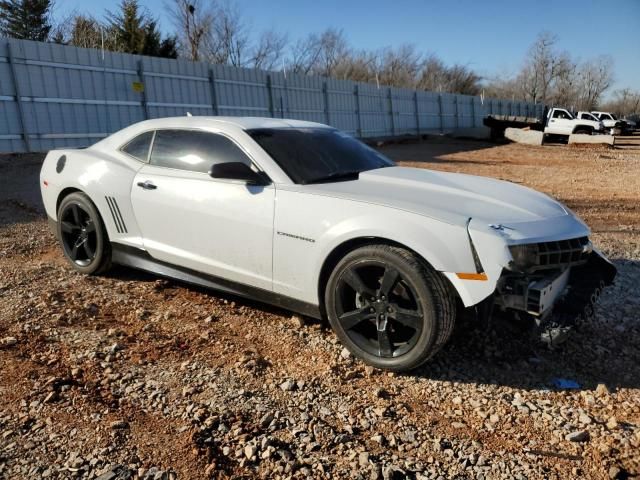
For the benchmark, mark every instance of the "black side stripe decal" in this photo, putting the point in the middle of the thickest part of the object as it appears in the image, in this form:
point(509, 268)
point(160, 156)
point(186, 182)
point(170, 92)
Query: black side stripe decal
point(116, 214)
point(113, 214)
point(115, 204)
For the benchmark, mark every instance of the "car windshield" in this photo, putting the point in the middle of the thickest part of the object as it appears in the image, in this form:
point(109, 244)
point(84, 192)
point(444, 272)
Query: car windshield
point(313, 155)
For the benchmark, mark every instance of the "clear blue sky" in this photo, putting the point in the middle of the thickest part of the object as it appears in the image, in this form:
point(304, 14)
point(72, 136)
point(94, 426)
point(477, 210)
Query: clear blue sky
point(490, 36)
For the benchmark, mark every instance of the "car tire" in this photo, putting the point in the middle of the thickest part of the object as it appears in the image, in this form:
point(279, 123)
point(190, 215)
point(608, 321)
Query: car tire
point(82, 234)
point(582, 130)
point(389, 308)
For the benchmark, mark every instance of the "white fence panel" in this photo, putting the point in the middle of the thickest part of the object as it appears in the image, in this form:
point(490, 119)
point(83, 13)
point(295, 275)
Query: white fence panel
point(55, 96)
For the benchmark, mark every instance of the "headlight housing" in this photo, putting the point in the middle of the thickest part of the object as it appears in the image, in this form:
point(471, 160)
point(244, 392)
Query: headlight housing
point(524, 256)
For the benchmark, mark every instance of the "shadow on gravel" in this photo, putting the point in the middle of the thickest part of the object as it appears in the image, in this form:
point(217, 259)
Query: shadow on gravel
point(20, 200)
point(433, 149)
point(606, 350)
point(122, 273)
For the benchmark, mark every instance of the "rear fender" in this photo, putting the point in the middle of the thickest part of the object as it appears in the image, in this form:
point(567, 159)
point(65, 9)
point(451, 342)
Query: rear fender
point(107, 182)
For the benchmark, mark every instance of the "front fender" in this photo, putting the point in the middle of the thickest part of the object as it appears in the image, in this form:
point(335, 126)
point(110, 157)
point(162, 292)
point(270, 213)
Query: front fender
point(309, 227)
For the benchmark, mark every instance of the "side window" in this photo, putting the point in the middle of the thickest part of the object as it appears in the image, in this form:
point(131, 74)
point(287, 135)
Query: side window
point(139, 146)
point(559, 114)
point(194, 150)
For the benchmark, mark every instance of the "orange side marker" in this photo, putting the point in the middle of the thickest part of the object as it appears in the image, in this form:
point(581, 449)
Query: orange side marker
point(472, 276)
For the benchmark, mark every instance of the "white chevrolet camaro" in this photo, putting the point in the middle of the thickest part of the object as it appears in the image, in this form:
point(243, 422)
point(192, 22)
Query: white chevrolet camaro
point(303, 216)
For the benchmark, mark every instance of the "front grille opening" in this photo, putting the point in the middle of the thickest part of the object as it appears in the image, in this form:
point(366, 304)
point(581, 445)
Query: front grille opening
point(561, 253)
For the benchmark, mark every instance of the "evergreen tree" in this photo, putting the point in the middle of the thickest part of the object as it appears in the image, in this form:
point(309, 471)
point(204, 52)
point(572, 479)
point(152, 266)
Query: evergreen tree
point(155, 46)
point(135, 31)
point(25, 19)
point(129, 27)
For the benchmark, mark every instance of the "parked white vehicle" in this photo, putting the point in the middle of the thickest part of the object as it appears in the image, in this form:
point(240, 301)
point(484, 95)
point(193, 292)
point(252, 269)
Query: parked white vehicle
point(587, 116)
point(304, 216)
point(611, 124)
point(560, 122)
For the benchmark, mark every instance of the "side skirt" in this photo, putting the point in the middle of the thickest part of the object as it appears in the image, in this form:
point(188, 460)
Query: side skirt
point(141, 260)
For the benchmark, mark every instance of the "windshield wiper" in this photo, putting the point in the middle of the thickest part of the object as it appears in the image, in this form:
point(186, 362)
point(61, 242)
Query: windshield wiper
point(335, 176)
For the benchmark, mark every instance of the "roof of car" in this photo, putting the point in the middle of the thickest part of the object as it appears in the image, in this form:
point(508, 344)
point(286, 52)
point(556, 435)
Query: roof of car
point(118, 138)
point(245, 123)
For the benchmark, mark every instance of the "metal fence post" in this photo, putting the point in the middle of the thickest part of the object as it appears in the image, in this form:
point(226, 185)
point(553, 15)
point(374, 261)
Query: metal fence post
point(145, 108)
point(473, 111)
point(325, 95)
point(455, 102)
point(286, 99)
point(393, 120)
point(415, 100)
point(356, 92)
point(440, 113)
point(214, 93)
point(270, 93)
point(16, 88)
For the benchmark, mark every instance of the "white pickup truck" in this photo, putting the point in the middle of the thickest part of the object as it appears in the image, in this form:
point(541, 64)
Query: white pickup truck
point(611, 123)
point(560, 122)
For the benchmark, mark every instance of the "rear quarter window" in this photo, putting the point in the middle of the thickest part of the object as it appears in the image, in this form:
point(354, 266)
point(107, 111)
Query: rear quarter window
point(139, 146)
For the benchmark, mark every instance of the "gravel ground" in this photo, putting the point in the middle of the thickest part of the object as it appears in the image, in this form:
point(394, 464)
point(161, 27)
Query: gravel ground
point(128, 376)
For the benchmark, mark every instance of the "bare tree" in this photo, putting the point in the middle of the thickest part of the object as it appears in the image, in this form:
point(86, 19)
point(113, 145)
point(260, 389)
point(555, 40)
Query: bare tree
point(554, 78)
point(595, 76)
point(432, 76)
point(359, 66)
point(435, 76)
point(462, 79)
point(400, 67)
point(542, 67)
point(268, 53)
point(335, 50)
point(229, 41)
point(503, 86)
point(193, 23)
point(566, 86)
point(61, 28)
point(625, 103)
point(85, 32)
point(305, 54)
point(320, 54)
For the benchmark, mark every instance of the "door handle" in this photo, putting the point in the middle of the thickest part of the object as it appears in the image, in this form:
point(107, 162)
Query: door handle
point(147, 185)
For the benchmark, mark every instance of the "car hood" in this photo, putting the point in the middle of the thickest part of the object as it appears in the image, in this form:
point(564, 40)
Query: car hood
point(450, 197)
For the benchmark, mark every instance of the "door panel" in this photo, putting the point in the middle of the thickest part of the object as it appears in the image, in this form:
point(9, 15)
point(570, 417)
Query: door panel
point(222, 228)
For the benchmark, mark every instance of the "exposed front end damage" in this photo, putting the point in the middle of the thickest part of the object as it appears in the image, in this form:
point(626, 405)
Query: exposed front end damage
point(556, 284)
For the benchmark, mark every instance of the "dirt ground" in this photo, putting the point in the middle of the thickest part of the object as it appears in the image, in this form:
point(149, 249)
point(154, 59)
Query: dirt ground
point(128, 376)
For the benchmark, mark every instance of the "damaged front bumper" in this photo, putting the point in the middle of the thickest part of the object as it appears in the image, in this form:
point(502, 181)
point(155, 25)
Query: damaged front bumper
point(556, 299)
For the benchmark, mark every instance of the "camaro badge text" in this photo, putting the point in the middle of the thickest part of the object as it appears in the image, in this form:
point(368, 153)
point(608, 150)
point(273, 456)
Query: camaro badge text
point(297, 237)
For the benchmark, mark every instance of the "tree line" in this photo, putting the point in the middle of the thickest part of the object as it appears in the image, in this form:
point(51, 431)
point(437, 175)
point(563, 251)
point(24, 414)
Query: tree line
point(217, 32)
point(551, 76)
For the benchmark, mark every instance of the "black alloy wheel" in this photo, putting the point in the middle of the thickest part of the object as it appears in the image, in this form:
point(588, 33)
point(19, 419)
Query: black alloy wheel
point(377, 308)
point(388, 307)
point(78, 234)
point(82, 234)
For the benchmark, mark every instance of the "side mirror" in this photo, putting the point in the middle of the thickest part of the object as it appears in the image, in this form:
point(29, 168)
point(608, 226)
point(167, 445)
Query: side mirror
point(237, 171)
